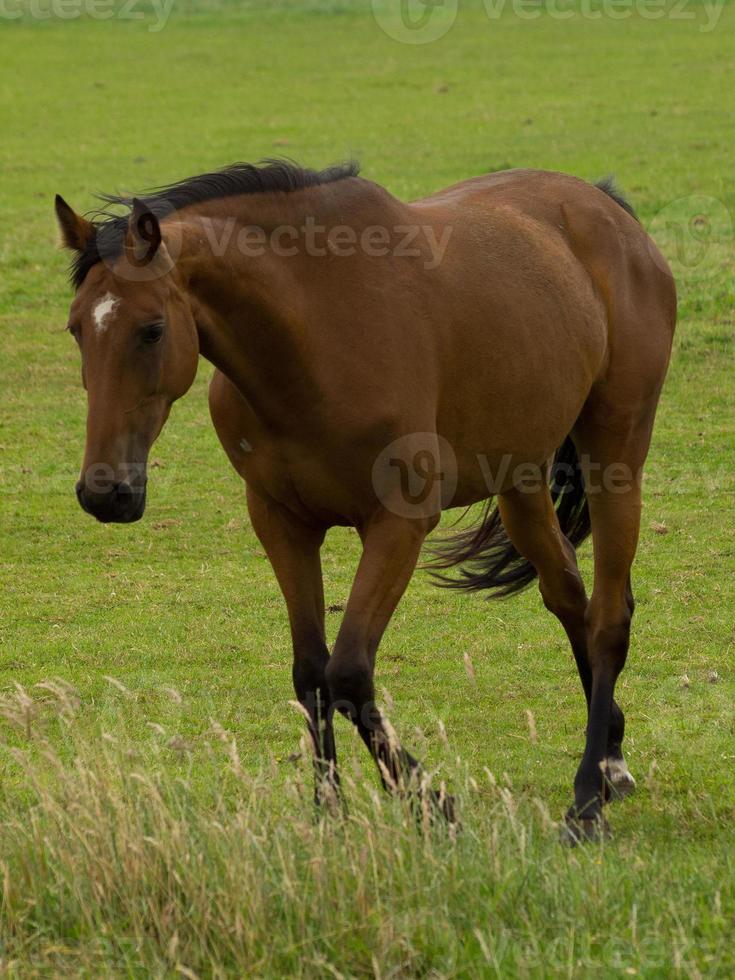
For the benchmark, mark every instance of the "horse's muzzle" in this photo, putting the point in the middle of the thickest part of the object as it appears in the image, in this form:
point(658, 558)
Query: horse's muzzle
point(119, 504)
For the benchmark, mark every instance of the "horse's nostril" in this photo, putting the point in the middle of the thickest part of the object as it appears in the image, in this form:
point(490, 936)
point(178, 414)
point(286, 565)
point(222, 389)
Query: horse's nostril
point(115, 502)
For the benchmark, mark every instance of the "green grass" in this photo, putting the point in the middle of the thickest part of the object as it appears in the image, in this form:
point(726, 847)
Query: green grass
point(182, 609)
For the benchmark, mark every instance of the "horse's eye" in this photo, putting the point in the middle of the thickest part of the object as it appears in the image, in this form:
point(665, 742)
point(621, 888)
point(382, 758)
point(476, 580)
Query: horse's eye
point(152, 333)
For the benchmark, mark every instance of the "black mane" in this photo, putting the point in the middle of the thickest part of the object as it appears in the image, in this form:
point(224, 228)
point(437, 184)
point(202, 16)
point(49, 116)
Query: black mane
point(269, 176)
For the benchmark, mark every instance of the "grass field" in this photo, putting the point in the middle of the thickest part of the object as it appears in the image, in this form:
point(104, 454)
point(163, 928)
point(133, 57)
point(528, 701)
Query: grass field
point(154, 811)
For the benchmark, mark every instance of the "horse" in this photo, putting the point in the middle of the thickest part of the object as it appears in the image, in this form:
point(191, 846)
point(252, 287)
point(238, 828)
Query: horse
point(501, 342)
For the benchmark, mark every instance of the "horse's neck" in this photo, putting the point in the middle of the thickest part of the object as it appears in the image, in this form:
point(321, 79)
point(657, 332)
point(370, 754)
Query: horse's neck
point(246, 305)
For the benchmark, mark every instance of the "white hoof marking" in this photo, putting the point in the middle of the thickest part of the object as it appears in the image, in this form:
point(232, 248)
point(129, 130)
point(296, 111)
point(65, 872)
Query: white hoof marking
point(619, 776)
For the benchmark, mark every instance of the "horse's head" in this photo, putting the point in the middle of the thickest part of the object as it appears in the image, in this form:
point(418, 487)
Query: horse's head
point(139, 348)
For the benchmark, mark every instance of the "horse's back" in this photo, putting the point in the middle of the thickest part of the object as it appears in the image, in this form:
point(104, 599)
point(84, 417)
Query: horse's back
point(584, 220)
point(552, 284)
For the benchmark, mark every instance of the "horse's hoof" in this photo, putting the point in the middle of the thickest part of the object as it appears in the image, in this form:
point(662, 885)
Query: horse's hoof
point(435, 808)
point(583, 830)
point(441, 807)
point(619, 778)
point(448, 810)
point(328, 801)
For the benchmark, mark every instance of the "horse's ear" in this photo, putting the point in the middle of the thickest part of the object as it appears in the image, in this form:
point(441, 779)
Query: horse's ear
point(75, 230)
point(144, 232)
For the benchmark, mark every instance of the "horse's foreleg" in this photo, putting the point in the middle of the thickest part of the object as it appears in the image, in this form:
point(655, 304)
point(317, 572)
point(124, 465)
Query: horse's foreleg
point(293, 550)
point(391, 547)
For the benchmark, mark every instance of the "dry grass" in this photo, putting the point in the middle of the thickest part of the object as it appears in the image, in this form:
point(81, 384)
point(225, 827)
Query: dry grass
point(118, 863)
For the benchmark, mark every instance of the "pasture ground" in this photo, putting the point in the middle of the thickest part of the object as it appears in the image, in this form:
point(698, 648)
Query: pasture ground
point(155, 816)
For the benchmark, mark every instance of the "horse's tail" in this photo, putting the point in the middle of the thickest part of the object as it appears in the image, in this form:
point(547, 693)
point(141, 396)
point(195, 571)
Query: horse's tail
point(490, 561)
point(607, 186)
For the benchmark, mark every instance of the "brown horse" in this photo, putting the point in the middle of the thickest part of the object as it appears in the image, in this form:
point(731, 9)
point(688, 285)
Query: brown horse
point(378, 362)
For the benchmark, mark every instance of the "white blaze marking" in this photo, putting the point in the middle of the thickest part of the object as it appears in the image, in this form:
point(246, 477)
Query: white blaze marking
point(103, 310)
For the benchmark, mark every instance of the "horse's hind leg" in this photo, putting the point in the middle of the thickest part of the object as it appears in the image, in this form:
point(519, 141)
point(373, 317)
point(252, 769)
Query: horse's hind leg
point(613, 454)
point(532, 525)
